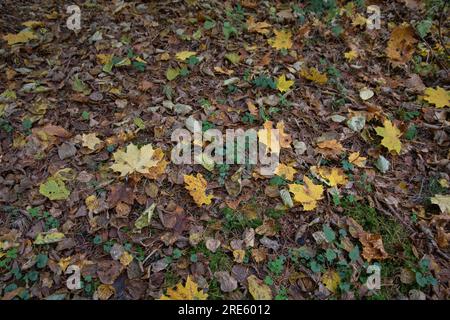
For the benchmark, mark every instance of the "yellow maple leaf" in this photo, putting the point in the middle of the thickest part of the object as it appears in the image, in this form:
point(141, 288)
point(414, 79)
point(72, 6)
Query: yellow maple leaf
point(390, 135)
point(21, 37)
point(282, 84)
point(134, 160)
point(260, 27)
point(258, 289)
point(285, 171)
point(307, 194)
point(189, 291)
point(355, 159)
point(183, 55)
point(314, 75)
point(267, 137)
point(332, 176)
point(104, 58)
point(351, 55)
point(358, 20)
point(439, 97)
point(33, 24)
point(105, 291)
point(90, 141)
point(282, 40)
point(197, 187)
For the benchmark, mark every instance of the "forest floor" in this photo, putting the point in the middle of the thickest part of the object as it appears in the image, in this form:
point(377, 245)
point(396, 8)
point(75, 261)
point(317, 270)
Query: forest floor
point(92, 207)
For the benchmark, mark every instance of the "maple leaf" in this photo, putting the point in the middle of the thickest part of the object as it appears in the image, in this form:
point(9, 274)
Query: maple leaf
point(333, 176)
point(285, 171)
point(160, 166)
point(390, 135)
point(258, 289)
point(90, 141)
point(197, 187)
point(282, 84)
point(183, 55)
point(401, 44)
point(134, 160)
point(189, 291)
point(282, 40)
point(330, 148)
point(307, 194)
point(314, 75)
point(260, 27)
point(439, 97)
point(21, 37)
point(355, 159)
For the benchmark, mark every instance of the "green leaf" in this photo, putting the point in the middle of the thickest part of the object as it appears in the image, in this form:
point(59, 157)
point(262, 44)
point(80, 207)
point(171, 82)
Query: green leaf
point(228, 30)
point(41, 260)
point(330, 235)
point(424, 27)
point(411, 132)
point(138, 122)
point(233, 57)
point(172, 73)
point(354, 254)
point(330, 255)
point(54, 189)
point(209, 24)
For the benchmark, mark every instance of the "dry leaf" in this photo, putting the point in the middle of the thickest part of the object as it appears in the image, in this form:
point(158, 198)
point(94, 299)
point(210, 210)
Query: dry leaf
point(260, 27)
point(90, 141)
point(189, 291)
point(333, 176)
point(314, 75)
point(373, 248)
point(439, 97)
point(355, 159)
point(401, 44)
point(331, 148)
point(134, 160)
point(307, 194)
point(285, 171)
point(282, 40)
point(390, 135)
point(21, 37)
point(258, 289)
point(197, 187)
point(283, 85)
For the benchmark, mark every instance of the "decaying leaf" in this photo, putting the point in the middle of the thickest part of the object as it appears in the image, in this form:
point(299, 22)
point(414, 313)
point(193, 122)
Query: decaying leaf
point(314, 75)
point(90, 141)
point(21, 37)
point(51, 236)
point(373, 248)
point(401, 44)
point(285, 171)
point(330, 148)
point(145, 218)
point(259, 27)
point(443, 201)
point(258, 289)
point(189, 291)
point(197, 188)
point(357, 160)
point(331, 280)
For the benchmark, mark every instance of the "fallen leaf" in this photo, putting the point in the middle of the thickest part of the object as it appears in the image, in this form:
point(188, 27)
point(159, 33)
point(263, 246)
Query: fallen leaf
point(183, 55)
point(145, 218)
point(51, 236)
point(314, 75)
point(332, 148)
point(189, 291)
point(259, 27)
point(439, 97)
point(21, 37)
point(331, 280)
point(54, 189)
point(197, 187)
point(373, 248)
point(443, 201)
point(333, 176)
point(401, 44)
point(283, 85)
point(307, 194)
point(282, 40)
point(390, 135)
point(134, 160)
point(357, 160)
point(285, 171)
point(105, 291)
point(258, 289)
point(90, 141)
